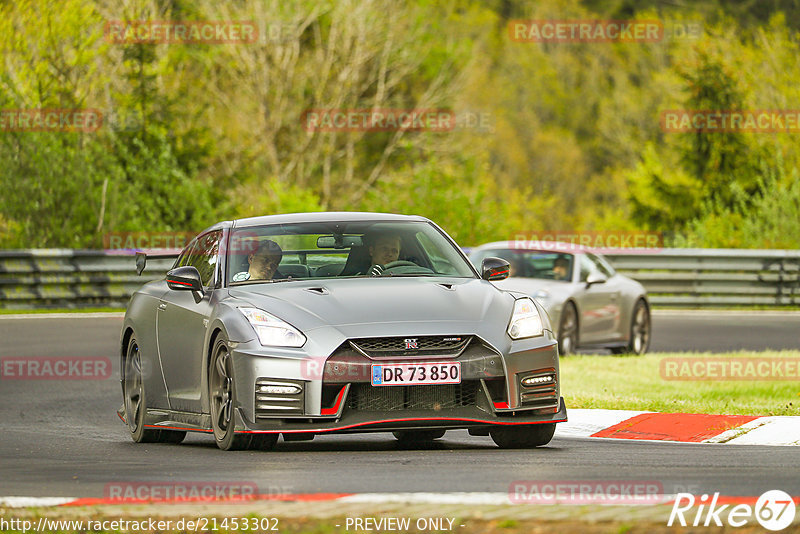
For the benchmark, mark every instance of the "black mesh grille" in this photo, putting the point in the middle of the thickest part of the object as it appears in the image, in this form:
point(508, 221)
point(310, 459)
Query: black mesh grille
point(368, 398)
point(411, 345)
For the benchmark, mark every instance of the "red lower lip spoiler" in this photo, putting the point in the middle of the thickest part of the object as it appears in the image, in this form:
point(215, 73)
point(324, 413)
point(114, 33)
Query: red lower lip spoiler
point(405, 420)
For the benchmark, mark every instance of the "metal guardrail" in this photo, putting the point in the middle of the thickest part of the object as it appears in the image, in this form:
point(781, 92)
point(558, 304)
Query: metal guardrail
point(59, 278)
point(715, 277)
point(65, 278)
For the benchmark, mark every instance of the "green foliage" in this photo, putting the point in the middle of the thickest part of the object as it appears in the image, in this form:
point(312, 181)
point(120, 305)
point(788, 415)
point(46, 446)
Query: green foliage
point(769, 219)
point(272, 197)
point(662, 194)
point(722, 162)
point(427, 187)
point(198, 133)
point(51, 184)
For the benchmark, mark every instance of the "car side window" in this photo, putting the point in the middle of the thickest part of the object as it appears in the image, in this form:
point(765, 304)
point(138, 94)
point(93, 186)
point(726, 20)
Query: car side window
point(587, 267)
point(601, 266)
point(203, 256)
point(183, 259)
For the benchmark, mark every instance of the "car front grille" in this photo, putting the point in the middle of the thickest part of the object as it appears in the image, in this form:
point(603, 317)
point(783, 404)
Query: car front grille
point(383, 347)
point(368, 398)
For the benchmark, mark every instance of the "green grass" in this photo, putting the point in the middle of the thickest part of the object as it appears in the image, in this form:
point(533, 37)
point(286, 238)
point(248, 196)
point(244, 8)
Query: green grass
point(635, 383)
point(9, 311)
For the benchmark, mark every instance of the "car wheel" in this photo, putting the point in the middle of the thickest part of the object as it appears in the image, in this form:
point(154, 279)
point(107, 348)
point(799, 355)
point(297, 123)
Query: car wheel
point(417, 436)
point(568, 330)
point(640, 329)
point(639, 340)
point(222, 397)
point(133, 392)
point(524, 436)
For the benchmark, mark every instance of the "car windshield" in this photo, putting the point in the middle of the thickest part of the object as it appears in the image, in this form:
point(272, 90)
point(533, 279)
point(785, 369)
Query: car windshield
point(305, 251)
point(543, 264)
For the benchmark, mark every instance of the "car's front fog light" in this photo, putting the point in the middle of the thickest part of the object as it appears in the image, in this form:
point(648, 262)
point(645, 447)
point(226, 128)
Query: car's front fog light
point(279, 390)
point(525, 321)
point(537, 380)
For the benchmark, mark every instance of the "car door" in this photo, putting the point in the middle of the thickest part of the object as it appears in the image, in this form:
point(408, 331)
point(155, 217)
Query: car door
point(599, 302)
point(181, 326)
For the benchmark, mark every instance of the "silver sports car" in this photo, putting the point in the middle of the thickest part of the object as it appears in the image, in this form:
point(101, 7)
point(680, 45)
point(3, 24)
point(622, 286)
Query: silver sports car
point(593, 305)
point(303, 324)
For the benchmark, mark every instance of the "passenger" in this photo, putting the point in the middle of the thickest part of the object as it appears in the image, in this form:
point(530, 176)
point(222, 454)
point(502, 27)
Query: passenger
point(264, 261)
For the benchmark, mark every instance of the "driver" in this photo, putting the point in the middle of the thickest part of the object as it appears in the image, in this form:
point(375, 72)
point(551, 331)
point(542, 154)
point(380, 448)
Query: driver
point(264, 261)
point(561, 268)
point(383, 249)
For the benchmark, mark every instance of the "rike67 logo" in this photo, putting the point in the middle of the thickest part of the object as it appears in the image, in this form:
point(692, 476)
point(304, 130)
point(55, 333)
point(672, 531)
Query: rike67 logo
point(774, 510)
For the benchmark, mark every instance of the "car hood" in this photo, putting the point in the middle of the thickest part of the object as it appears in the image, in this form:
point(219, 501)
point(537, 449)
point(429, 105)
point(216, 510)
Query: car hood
point(309, 304)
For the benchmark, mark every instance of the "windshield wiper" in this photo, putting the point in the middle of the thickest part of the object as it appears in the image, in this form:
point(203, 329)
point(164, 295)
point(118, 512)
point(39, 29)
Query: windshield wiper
point(251, 282)
point(410, 274)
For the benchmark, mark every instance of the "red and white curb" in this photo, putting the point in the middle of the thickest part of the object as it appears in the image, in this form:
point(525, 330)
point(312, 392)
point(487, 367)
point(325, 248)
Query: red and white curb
point(681, 427)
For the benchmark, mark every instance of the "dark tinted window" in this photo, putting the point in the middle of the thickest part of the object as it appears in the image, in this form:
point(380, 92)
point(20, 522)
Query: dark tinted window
point(204, 255)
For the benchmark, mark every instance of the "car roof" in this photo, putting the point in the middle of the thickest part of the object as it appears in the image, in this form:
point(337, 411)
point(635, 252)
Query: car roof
point(325, 216)
point(534, 245)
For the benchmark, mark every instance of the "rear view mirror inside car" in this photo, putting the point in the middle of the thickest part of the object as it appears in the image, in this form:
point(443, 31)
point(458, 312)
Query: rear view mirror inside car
point(339, 241)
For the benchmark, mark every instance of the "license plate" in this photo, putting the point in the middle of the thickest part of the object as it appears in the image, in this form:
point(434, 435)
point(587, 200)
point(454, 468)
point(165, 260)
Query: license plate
point(405, 374)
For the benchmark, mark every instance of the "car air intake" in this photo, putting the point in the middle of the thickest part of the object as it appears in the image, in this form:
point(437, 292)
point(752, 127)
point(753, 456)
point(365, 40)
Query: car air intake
point(368, 398)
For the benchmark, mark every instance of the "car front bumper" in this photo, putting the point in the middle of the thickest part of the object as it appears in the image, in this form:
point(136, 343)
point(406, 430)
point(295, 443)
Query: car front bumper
point(336, 394)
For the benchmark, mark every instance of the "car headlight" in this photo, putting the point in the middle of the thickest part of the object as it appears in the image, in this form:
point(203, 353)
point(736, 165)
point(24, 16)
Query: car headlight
point(273, 331)
point(525, 321)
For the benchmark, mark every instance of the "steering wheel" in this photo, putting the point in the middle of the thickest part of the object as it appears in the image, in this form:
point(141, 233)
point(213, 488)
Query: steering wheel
point(399, 263)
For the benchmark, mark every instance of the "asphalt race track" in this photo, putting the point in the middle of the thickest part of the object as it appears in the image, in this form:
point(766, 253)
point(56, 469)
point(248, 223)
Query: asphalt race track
point(63, 438)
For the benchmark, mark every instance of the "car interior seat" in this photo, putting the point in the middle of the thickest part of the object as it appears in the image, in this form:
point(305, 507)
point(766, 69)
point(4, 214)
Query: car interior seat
point(358, 261)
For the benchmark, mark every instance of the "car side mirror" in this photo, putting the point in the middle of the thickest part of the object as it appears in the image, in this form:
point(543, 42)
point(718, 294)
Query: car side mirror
point(596, 278)
point(493, 269)
point(185, 278)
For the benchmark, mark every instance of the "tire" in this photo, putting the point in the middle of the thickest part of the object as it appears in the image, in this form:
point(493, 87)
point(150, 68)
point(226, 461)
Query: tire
point(640, 332)
point(222, 398)
point(133, 394)
point(523, 437)
point(568, 330)
point(418, 436)
point(641, 329)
